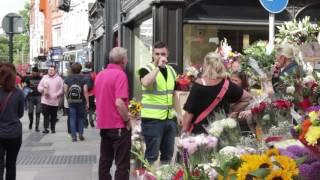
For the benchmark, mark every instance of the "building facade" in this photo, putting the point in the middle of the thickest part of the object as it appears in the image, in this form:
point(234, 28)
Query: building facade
point(63, 34)
point(191, 28)
point(37, 44)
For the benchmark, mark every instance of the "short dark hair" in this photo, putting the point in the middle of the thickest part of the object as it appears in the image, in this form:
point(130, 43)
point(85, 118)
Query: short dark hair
point(35, 69)
point(8, 76)
point(88, 65)
point(52, 66)
point(159, 44)
point(76, 68)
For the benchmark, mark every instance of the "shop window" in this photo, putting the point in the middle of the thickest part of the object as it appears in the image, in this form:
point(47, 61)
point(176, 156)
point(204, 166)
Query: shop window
point(143, 35)
point(200, 39)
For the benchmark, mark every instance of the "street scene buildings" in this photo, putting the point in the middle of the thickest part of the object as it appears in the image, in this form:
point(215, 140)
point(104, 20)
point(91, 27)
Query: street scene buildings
point(160, 89)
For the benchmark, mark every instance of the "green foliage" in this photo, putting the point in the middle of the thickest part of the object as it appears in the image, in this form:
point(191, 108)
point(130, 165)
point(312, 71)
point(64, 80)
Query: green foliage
point(258, 52)
point(4, 48)
point(261, 172)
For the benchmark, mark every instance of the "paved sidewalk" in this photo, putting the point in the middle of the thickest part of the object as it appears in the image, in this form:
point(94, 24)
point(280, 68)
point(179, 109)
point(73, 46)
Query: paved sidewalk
point(55, 157)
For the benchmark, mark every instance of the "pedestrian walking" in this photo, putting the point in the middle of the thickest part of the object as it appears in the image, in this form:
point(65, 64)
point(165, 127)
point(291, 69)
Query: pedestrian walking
point(34, 97)
point(157, 115)
point(76, 91)
point(51, 89)
point(11, 110)
point(90, 77)
point(111, 88)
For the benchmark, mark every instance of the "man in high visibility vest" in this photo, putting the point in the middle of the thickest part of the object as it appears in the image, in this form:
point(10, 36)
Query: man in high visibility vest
point(158, 119)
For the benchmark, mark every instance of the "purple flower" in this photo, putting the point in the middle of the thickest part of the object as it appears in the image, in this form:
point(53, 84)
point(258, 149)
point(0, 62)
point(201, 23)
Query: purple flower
point(305, 171)
point(300, 151)
point(310, 172)
point(287, 153)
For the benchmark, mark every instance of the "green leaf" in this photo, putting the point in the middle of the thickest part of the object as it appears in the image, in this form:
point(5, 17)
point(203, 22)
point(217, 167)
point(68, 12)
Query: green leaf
point(219, 170)
point(277, 164)
point(233, 177)
point(301, 160)
point(261, 172)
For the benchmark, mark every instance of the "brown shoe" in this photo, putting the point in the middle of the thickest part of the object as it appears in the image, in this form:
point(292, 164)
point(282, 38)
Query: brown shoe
point(81, 138)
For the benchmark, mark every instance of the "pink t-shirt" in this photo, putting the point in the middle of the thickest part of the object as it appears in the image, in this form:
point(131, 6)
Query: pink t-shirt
point(110, 84)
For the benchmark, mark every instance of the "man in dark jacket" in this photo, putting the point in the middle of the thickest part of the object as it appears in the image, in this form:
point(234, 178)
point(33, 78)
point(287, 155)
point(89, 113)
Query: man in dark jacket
point(34, 97)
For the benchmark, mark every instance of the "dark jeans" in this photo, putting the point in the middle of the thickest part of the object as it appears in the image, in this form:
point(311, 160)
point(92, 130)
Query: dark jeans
point(115, 145)
point(50, 115)
point(34, 101)
point(9, 149)
point(159, 135)
point(76, 113)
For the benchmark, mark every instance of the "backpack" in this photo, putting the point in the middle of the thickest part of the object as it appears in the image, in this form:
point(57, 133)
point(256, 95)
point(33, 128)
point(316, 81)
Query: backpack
point(75, 93)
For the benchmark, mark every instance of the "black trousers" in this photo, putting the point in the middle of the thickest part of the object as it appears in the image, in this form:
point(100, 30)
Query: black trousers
point(115, 145)
point(50, 116)
point(34, 101)
point(9, 149)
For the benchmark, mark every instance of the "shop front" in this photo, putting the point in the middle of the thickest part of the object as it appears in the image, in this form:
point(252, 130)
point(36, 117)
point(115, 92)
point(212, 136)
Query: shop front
point(191, 28)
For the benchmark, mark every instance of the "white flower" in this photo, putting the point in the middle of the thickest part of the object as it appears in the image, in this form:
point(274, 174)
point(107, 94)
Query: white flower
point(308, 69)
point(230, 151)
point(216, 131)
point(231, 123)
point(290, 90)
point(308, 79)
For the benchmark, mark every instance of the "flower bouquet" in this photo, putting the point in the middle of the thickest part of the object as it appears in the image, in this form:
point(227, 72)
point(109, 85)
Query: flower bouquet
point(297, 32)
point(134, 108)
point(196, 152)
point(308, 132)
point(268, 165)
point(264, 57)
point(183, 81)
point(309, 164)
point(227, 130)
point(272, 117)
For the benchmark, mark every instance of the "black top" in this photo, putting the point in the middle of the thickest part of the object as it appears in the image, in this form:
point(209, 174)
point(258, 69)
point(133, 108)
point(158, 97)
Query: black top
point(143, 72)
point(76, 79)
point(201, 97)
point(32, 83)
point(88, 80)
point(10, 125)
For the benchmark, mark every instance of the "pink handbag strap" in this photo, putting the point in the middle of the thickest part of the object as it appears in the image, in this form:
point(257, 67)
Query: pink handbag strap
point(214, 103)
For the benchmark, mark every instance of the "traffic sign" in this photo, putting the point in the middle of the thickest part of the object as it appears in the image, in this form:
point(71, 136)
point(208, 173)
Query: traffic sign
point(12, 23)
point(274, 6)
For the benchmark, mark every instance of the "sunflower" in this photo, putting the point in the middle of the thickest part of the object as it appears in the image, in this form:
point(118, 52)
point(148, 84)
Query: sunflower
point(287, 164)
point(252, 163)
point(272, 152)
point(279, 175)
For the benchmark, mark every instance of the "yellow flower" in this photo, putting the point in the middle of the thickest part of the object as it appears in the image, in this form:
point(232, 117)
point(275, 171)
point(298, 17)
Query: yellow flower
point(272, 152)
point(252, 163)
point(279, 175)
point(313, 115)
point(288, 165)
point(313, 135)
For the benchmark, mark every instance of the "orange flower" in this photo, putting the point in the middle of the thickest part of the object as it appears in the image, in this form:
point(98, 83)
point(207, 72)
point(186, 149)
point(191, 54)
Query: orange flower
point(304, 128)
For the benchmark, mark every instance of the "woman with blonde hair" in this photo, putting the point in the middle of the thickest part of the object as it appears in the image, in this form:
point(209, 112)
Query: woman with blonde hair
point(211, 93)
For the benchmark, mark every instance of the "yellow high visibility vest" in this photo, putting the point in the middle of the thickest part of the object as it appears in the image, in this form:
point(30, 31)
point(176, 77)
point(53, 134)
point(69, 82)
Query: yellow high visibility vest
point(157, 100)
